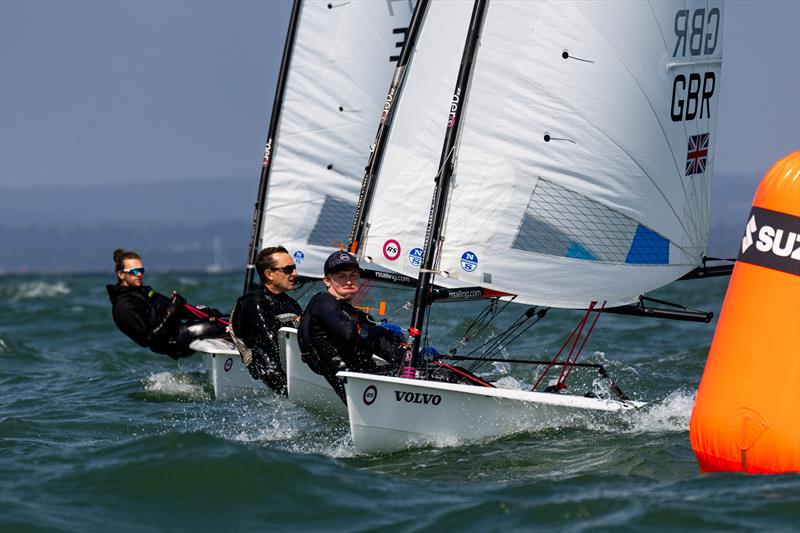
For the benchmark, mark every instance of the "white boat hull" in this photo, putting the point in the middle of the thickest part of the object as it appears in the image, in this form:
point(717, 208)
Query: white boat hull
point(230, 378)
point(389, 413)
point(227, 374)
point(306, 388)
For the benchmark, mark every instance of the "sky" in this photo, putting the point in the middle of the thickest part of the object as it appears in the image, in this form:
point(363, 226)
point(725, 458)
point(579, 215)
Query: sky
point(113, 91)
point(107, 92)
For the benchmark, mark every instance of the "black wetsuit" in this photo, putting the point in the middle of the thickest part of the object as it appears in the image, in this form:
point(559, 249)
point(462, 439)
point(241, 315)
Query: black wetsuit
point(334, 335)
point(149, 318)
point(257, 317)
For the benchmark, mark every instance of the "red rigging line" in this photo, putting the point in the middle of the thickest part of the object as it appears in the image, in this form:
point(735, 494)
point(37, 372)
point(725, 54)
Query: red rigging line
point(200, 314)
point(580, 350)
point(363, 290)
point(464, 374)
point(570, 361)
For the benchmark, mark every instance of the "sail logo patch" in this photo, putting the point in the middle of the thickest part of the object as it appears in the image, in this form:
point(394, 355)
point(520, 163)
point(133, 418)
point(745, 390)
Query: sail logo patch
point(417, 397)
point(697, 154)
point(469, 261)
point(397, 278)
point(387, 106)
point(267, 152)
point(454, 108)
point(299, 256)
point(772, 240)
point(391, 249)
point(415, 257)
point(228, 364)
point(370, 395)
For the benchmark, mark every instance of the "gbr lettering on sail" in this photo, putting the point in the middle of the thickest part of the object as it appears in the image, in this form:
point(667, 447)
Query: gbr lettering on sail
point(696, 36)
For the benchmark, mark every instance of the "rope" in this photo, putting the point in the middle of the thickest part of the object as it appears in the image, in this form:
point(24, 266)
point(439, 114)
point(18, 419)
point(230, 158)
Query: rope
point(574, 331)
point(572, 357)
point(464, 374)
point(559, 383)
point(512, 333)
point(562, 383)
point(363, 290)
point(478, 325)
point(200, 314)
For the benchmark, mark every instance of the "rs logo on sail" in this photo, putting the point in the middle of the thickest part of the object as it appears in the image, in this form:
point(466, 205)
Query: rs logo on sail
point(417, 397)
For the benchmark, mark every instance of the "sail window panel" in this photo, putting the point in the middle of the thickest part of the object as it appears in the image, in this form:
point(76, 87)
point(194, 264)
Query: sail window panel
point(563, 223)
point(648, 248)
point(537, 235)
point(334, 223)
point(603, 233)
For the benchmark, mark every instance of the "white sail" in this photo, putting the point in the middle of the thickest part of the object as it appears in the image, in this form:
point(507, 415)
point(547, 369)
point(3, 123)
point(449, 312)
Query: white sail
point(342, 64)
point(585, 157)
point(397, 219)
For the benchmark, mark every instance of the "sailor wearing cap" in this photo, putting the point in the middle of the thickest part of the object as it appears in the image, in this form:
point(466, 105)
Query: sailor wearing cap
point(334, 335)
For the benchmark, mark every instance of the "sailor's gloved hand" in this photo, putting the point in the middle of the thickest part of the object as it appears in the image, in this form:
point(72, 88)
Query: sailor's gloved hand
point(393, 328)
point(429, 352)
point(368, 332)
point(176, 303)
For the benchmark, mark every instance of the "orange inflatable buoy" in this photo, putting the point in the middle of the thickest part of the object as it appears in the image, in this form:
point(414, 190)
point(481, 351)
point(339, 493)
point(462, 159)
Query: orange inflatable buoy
point(746, 415)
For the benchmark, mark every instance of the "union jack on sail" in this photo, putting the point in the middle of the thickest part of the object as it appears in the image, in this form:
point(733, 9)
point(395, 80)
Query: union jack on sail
point(696, 154)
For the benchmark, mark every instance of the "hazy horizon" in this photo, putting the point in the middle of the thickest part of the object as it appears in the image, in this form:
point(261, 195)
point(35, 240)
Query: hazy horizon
point(81, 233)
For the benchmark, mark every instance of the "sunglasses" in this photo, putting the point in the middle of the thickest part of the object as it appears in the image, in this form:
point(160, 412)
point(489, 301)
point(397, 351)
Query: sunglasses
point(288, 269)
point(133, 271)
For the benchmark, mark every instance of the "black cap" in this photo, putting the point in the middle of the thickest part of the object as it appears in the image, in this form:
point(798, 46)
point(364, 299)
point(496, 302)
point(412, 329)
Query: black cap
point(340, 260)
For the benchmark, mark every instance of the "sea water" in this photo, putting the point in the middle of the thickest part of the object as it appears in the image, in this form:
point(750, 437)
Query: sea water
point(98, 434)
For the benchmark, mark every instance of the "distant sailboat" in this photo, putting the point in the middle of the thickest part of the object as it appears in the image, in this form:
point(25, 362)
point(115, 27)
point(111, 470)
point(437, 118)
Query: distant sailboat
point(216, 266)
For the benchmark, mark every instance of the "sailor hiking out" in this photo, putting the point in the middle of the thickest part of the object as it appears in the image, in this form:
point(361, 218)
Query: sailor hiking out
point(166, 325)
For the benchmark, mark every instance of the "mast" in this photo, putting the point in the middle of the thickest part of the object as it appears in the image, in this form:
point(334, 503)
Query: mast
point(441, 189)
point(258, 214)
point(379, 144)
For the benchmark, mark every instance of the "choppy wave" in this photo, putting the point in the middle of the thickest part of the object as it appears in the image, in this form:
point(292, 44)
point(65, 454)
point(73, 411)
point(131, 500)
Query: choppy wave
point(35, 289)
point(176, 385)
point(99, 433)
point(275, 421)
point(670, 414)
